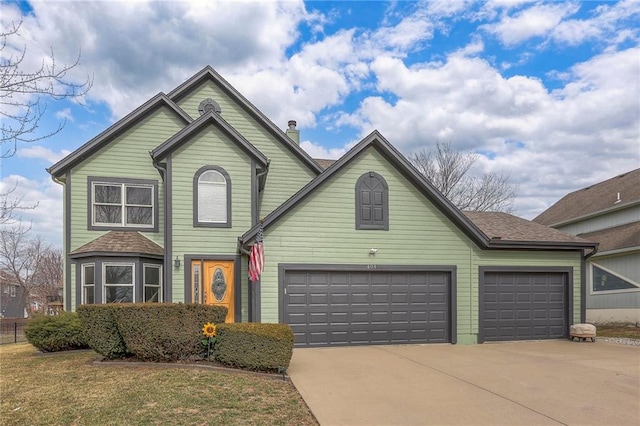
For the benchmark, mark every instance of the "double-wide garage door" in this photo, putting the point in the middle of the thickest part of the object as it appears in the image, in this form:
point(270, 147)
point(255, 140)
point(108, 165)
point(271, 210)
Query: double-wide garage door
point(523, 305)
point(327, 308)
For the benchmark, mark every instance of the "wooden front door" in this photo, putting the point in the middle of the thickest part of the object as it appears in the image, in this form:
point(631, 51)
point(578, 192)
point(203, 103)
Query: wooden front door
point(213, 284)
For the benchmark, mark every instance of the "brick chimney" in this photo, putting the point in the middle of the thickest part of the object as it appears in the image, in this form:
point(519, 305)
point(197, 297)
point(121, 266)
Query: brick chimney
point(292, 132)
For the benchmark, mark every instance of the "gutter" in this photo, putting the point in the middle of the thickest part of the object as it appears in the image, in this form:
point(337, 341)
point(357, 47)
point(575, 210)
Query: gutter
point(594, 251)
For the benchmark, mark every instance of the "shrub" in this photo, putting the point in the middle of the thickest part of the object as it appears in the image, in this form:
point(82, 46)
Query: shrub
point(255, 346)
point(101, 330)
point(56, 333)
point(148, 331)
point(166, 332)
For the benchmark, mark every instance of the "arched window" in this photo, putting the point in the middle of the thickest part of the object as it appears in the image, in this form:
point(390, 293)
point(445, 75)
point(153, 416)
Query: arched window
point(372, 202)
point(212, 197)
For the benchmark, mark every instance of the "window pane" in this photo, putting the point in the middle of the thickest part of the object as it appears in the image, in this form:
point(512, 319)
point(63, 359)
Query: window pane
point(212, 176)
point(118, 274)
point(88, 296)
point(107, 214)
point(152, 275)
point(107, 194)
point(89, 275)
point(140, 215)
point(151, 294)
point(139, 195)
point(212, 203)
point(118, 294)
point(604, 281)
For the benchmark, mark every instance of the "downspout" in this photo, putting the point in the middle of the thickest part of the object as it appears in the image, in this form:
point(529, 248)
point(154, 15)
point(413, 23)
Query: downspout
point(162, 170)
point(583, 295)
point(262, 173)
point(66, 243)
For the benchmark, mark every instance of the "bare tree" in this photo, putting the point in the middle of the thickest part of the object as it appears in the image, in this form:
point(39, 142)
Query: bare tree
point(10, 204)
point(23, 92)
point(449, 171)
point(32, 265)
point(48, 279)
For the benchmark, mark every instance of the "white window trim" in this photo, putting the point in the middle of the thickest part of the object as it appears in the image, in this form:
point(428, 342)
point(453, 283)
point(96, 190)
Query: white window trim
point(105, 285)
point(623, 290)
point(12, 290)
point(82, 282)
point(144, 280)
point(123, 204)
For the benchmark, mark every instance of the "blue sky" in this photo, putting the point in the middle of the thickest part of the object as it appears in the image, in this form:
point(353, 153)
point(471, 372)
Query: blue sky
point(547, 92)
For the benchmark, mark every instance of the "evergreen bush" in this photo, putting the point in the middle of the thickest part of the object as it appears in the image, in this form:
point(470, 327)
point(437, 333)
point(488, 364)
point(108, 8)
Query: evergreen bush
point(255, 346)
point(54, 333)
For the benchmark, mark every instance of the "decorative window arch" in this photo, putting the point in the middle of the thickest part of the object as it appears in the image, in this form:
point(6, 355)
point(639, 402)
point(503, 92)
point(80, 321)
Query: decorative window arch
point(372, 202)
point(212, 197)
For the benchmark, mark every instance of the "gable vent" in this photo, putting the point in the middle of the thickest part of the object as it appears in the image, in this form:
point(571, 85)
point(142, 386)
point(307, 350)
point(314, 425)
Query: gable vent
point(209, 105)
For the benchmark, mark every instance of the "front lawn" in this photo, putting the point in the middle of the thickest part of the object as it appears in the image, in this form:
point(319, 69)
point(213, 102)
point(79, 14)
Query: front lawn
point(618, 331)
point(66, 388)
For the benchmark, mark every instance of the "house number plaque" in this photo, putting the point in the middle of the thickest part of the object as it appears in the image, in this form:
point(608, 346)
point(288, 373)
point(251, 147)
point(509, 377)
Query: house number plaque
point(218, 286)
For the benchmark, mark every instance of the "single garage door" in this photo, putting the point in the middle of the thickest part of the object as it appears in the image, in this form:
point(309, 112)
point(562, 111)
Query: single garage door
point(326, 308)
point(523, 305)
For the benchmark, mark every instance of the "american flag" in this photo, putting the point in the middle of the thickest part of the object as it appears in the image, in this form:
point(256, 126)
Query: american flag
point(256, 257)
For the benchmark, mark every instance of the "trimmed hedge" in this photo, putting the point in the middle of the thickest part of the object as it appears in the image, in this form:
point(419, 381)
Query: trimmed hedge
point(101, 330)
point(162, 332)
point(148, 331)
point(255, 346)
point(54, 333)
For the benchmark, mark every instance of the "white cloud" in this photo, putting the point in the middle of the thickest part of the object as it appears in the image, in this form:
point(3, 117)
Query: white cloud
point(42, 153)
point(136, 61)
point(318, 151)
point(43, 202)
point(538, 20)
point(593, 119)
point(65, 114)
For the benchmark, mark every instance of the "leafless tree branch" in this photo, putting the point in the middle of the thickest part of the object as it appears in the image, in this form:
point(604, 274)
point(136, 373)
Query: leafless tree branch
point(23, 93)
point(448, 170)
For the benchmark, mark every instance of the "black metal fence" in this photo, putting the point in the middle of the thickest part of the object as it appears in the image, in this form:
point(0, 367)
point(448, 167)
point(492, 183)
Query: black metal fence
point(12, 330)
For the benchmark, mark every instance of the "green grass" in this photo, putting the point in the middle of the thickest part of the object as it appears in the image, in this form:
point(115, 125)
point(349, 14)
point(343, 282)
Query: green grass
point(66, 388)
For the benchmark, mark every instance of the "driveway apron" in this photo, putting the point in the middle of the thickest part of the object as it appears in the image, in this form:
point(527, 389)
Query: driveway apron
point(534, 383)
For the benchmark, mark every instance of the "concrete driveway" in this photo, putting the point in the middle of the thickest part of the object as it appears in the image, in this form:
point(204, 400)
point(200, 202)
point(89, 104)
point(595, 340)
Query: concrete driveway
point(535, 383)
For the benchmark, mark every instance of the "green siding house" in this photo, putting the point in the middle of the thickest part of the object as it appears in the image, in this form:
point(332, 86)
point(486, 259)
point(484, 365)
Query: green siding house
point(165, 205)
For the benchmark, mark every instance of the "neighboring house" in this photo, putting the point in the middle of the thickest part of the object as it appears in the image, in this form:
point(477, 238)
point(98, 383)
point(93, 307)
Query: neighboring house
point(608, 213)
point(165, 205)
point(12, 302)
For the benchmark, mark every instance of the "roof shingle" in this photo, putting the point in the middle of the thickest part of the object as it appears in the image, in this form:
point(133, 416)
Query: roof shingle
point(619, 237)
point(512, 228)
point(121, 242)
point(595, 198)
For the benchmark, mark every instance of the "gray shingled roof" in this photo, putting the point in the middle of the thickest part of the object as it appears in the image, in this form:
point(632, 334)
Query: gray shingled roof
point(595, 198)
point(512, 228)
point(619, 237)
point(324, 163)
point(121, 242)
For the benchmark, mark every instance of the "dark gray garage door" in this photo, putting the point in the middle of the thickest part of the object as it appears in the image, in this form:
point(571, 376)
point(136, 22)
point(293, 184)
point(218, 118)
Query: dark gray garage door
point(523, 306)
point(363, 308)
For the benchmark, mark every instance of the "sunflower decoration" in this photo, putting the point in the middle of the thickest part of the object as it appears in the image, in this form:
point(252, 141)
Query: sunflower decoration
point(209, 332)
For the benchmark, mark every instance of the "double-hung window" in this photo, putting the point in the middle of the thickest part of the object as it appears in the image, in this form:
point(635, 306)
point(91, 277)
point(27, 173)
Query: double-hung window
point(123, 204)
point(152, 283)
point(118, 282)
point(88, 283)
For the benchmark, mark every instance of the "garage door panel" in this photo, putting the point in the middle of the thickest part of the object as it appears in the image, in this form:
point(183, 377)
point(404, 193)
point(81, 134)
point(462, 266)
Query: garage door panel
point(373, 307)
point(339, 299)
point(524, 305)
point(360, 298)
